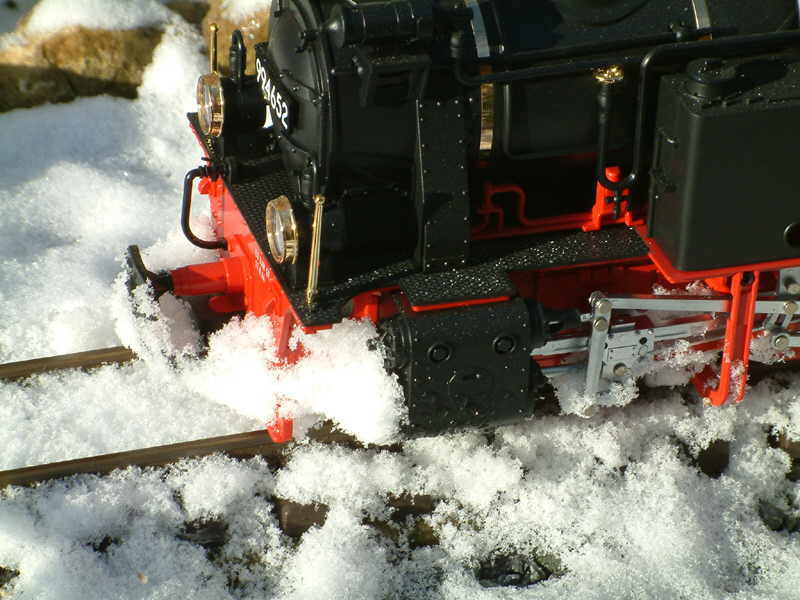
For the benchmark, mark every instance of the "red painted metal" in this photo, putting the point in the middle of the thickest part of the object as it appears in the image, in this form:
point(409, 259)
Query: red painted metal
point(674, 275)
point(736, 349)
point(493, 225)
point(603, 210)
point(375, 305)
point(570, 287)
point(227, 304)
point(280, 429)
point(428, 307)
point(367, 306)
point(244, 281)
point(730, 383)
point(493, 217)
point(224, 276)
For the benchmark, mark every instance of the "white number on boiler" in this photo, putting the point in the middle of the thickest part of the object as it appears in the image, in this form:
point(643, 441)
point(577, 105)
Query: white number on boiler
point(278, 108)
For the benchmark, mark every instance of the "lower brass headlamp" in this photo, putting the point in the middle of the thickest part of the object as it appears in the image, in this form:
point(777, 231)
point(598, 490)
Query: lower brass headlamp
point(282, 233)
point(210, 104)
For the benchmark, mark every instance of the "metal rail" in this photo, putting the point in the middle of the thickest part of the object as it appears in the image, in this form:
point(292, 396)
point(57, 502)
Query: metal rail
point(239, 445)
point(294, 518)
point(78, 360)
point(243, 445)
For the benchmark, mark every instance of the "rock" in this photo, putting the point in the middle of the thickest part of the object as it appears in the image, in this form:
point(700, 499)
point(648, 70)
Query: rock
point(210, 533)
point(537, 573)
point(422, 534)
point(509, 579)
point(791, 447)
point(713, 461)
point(501, 570)
point(6, 577)
point(102, 62)
point(253, 28)
point(75, 62)
point(102, 546)
point(773, 517)
point(295, 518)
point(192, 12)
point(793, 523)
point(551, 563)
point(794, 472)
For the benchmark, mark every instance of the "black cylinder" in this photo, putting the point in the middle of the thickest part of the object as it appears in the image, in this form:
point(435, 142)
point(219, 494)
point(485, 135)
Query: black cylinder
point(404, 20)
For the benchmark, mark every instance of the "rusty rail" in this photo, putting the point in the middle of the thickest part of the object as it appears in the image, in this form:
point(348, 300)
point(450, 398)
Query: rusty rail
point(240, 445)
point(294, 519)
point(77, 360)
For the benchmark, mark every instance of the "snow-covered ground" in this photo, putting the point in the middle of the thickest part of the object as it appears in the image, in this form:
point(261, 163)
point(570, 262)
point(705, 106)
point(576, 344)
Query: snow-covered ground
point(614, 504)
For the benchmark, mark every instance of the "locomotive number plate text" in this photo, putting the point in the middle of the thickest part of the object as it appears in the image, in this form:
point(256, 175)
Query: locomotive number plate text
point(277, 105)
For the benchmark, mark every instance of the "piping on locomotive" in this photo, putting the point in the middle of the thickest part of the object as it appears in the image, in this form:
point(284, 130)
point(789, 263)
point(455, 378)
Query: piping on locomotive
point(499, 184)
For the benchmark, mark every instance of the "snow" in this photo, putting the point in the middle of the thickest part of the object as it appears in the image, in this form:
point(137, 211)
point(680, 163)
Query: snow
point(341, 559)
point(338, 377)
point(51, 15)
point(238, 10)
point(613, 495)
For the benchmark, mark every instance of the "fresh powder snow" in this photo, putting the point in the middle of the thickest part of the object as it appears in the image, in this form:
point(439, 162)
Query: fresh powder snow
point(238, 10)
point(51, 15)
point(607, 499)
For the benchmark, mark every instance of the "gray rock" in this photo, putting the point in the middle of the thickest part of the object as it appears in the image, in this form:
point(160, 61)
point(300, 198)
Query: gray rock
point(7, 575)
point(513, 570)
point(794, 471)
point(551, 563)
point(773, 517)
point(793, 523)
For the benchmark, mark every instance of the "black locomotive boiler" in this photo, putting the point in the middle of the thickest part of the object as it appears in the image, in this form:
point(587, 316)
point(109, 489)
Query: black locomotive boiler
point(499, 184)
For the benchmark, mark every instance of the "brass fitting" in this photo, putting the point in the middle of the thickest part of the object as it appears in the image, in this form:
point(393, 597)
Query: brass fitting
point(316, 244)
point(212, 47)
point(609, 75)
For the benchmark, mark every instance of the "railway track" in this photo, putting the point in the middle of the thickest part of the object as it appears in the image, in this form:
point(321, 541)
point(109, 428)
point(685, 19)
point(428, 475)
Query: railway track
point(408, 521)
point(294, 518)
point(240, 445)
point(78, 360)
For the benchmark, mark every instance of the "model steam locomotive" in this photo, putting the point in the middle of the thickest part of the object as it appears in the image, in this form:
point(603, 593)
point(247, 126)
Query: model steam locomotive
point(499, 184)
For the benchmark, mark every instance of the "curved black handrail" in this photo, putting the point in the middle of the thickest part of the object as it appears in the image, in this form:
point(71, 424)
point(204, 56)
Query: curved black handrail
point(186, 209)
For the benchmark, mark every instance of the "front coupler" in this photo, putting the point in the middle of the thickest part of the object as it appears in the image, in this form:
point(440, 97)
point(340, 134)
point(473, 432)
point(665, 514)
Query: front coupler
point(138, 274)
